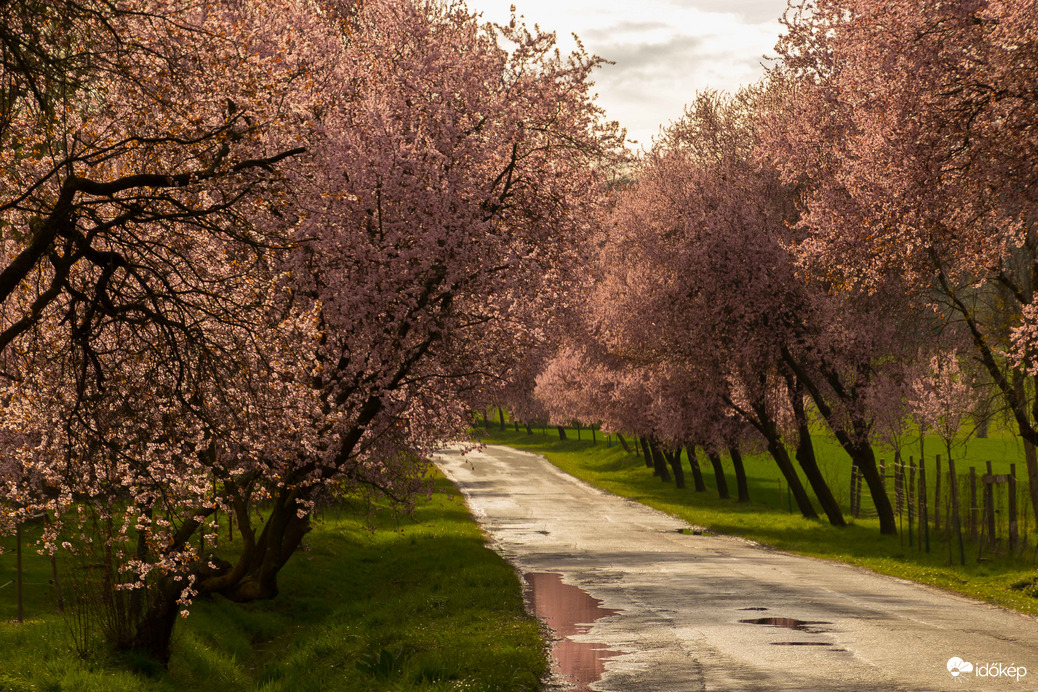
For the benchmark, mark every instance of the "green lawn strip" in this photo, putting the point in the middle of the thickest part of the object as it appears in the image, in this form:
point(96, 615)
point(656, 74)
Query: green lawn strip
point(1006, 581)
point(416, 603)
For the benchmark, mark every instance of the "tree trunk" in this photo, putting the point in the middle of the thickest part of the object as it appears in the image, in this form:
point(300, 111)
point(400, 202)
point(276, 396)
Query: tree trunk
point(646, 453)
point(805, 453)
point(953, 488)
point(501, 415)
point(674, 459)
point(1031, 459)
point(697, 473)
point(722, 482)
point(562, 432)
point(623, 442)
point(865, 458)
point(781, 456)
point(1023, 407)
point(740, 474)
point(529, 430)
point(856, 445)
point(658, 462)
point(155, 628)
point(255, 575)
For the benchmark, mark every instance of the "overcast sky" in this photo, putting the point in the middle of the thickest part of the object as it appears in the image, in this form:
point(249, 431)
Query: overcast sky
point(665, 50)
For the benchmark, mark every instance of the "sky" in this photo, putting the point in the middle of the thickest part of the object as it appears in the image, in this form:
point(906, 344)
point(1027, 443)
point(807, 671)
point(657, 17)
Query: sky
point(665, 51)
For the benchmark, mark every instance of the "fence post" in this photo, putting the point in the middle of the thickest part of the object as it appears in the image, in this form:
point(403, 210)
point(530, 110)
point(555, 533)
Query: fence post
point(854, 491)
point(924, 519)
point(899, 475)
point(911, 498)
point(989, 504)
point(955, 517)
point(1012, 509)
point(854, 478)
point(974, 510)
point(18, 568)
point(899, 499)
point(937, 495)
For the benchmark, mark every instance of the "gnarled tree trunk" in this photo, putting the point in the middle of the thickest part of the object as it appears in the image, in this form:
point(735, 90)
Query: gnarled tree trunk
point(697, 473)
point(722, 482)
point(658, 462)
point(741, 485)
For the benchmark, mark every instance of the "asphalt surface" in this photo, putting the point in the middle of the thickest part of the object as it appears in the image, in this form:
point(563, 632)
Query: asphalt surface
point(680, 597)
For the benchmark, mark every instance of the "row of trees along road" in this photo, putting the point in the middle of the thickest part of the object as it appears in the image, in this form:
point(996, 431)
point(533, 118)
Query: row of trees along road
point(858, 231)
point(257, 255)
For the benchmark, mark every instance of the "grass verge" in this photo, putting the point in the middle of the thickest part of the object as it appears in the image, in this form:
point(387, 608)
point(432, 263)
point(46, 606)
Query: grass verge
point(414, 603)
point(1005, 580)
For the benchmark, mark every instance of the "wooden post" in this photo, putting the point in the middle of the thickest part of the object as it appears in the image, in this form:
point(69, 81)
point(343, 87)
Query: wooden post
point(18, 568)
point(857, 492)
point(899, 485)
point(1025, 513)
point(937, 495)
point(989, 505)
point(853, 482)
point(953, 502)
point(850, 494)
point(974, 510)
point(924, 519)
point(899, 500)
point(911, 498)
point(1013, 535)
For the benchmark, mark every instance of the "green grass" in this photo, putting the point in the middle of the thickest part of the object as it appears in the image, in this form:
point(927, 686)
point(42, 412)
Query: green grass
point(1005, 580)
point(416, 603)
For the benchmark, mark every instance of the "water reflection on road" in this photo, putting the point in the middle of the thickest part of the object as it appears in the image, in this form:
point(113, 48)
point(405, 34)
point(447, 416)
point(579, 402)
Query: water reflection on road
point(568, 610)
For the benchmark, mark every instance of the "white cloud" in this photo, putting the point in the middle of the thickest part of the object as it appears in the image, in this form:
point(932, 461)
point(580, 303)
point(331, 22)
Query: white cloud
point(664, 51)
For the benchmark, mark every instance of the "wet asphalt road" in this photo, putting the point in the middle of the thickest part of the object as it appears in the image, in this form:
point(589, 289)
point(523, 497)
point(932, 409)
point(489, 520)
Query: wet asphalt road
point(681, 597)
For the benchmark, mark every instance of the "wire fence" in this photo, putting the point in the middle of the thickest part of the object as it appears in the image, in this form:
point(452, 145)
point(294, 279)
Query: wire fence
point(992, 512)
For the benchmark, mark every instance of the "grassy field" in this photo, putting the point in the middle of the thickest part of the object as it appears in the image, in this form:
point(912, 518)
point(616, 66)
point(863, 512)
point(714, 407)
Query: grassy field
point(415, 603)
point(1007, 580)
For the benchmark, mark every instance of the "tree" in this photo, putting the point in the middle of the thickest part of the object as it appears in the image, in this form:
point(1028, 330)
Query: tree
point(943, 400)
point(911, 129)
point(271, 328)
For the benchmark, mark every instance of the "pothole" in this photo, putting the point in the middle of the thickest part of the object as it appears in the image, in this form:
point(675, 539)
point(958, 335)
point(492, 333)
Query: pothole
point(569, 610)
point(788, 623)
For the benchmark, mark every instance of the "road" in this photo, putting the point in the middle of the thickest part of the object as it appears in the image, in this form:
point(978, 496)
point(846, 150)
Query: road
point(681, 600)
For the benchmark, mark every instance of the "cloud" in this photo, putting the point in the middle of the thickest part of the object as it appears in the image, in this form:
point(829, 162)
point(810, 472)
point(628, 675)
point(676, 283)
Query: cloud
point(664, 50)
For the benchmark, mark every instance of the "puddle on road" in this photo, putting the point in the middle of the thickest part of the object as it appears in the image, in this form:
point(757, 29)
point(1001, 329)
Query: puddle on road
point(788, 623)
point(569, 610)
